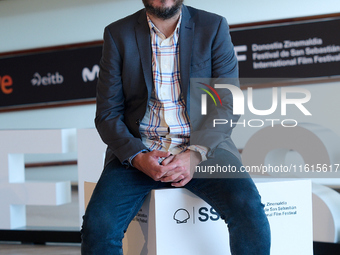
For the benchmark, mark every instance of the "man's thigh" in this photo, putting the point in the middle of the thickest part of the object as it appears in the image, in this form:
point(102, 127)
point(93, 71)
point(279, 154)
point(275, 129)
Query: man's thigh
point(117, 197)
point(227, 192)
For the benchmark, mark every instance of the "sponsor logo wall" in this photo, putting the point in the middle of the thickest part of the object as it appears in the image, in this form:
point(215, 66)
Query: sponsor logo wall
point(49, 77)
point(300, 49)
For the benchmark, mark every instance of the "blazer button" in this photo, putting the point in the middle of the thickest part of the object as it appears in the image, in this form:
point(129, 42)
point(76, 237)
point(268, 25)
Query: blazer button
point(138, 122)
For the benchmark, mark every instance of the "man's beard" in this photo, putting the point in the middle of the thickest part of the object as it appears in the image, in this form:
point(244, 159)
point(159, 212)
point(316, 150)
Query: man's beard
point(163, 12)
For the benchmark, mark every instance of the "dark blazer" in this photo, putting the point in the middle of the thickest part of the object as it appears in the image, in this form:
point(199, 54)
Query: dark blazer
point(125, 79)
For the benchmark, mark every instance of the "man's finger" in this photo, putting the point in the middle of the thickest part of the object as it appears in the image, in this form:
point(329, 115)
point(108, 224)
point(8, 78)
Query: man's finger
point(160, 171)
point(179, 179)
point(167, 160)
point(172, 177)
point(182, 183)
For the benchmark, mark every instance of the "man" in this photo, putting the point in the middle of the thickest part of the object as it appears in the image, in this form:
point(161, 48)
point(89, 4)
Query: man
point(143, 116)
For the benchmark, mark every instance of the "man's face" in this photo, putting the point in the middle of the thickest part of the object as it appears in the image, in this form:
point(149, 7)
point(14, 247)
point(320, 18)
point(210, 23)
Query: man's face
point(163, 9)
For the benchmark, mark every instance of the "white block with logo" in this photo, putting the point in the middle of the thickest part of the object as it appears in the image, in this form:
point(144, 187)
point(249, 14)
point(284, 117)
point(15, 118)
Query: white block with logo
point(175, 221)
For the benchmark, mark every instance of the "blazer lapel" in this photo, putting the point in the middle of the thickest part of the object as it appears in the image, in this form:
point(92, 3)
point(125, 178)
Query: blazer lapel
point(144, 47)
point(186, 37)
point(185, 49)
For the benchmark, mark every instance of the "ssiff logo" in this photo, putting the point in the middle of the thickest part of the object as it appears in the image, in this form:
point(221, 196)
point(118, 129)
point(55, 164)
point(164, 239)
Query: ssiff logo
point(238, 49)
point(181, 216)
point(203, 214)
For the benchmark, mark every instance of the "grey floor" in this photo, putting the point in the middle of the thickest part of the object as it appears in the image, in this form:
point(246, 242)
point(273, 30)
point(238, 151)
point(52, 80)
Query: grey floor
point(52, 249)
point(48, 216)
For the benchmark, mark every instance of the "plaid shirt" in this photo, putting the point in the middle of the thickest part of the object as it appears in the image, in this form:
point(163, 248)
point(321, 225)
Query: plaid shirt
point(166, 125)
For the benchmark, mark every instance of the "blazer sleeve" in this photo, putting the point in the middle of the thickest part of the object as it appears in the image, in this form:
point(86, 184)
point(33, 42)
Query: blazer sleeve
point(224, 69)
point(110, 105)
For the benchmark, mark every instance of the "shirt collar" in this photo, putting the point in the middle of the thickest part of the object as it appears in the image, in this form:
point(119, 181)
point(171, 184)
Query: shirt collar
point(157, 31)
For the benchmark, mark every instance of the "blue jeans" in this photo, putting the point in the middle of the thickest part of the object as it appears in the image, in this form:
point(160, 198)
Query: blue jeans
point(120, 193)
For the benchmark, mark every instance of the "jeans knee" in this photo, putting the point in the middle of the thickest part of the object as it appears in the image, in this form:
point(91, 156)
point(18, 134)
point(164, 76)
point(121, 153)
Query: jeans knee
point(248, 203)
point(98, 237)
point(99, 226)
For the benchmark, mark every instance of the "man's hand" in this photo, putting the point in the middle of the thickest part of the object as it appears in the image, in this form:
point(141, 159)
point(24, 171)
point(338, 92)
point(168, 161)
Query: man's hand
point(182, 167)
point(148, 164)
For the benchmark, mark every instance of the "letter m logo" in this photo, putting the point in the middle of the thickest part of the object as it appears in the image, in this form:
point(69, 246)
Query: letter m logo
point(90, 75)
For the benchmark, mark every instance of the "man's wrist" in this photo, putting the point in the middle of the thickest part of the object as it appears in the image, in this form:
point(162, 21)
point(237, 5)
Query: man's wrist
point(201, 150)
point(133, 156)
